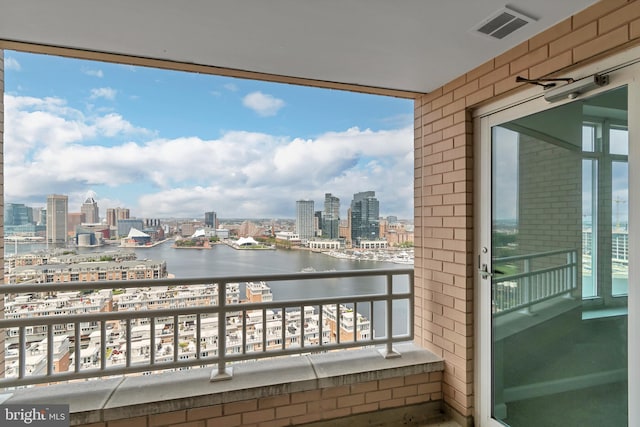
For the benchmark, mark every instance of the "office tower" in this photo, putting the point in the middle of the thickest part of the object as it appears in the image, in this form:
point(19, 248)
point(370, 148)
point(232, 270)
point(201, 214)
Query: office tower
point(90, 210)
point(111, 217)
point(57, 209)
point(365, 211)
point(304, 219)
point(17, 214)
point(317, 223)
point(74, 220)
point(35, 215)
point(331, 219)
point(211, 219)
point(122, 213)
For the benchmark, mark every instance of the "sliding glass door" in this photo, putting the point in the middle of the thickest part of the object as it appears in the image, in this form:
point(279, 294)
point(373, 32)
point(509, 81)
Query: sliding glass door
point(553, 261)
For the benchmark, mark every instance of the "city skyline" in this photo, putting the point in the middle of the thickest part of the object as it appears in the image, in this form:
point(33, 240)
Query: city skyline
point(173, 144)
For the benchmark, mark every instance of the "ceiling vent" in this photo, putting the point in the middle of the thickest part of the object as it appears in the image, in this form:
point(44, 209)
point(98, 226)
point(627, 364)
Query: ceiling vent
point(502, 23)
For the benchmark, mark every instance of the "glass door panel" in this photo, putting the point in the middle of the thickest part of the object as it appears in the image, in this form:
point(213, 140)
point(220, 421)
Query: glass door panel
point(559, 253)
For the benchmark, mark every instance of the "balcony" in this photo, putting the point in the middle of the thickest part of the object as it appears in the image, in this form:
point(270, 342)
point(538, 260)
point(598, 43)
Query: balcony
point(173, 351)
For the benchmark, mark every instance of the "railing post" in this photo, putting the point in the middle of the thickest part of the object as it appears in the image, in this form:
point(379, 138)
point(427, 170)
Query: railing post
point(389, 352)
point(222, 373)
point(528, 289)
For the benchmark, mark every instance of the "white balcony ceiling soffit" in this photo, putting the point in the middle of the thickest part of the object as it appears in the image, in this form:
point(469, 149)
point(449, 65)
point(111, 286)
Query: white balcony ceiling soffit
point(409, 45)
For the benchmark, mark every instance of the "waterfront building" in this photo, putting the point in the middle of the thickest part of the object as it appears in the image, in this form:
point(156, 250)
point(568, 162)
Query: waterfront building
point(111, 217)
point(90, 210)
point(57, 210)
point(317, 223)
point(211, 219)
point(74, 220)
point(324, 244)
point(91, 235)
point(188, 228)
point(89, 271)
point(288, 236)
point(250, 229)
point(36, 214)
point(61, 257)
point(136, 238)
point(122, 213)
point(365, 212)
point(222, 233)
point(331, 219)
point(372, 244)
point(126, 224)
point(305, 219)
point(17, 214)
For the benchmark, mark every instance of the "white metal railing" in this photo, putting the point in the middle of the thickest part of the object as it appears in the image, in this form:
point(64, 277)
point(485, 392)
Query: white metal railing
point(223, 331)
point(532, 285)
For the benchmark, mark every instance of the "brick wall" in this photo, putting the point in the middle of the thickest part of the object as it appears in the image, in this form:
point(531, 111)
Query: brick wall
point(301, 407)
point(444, 176)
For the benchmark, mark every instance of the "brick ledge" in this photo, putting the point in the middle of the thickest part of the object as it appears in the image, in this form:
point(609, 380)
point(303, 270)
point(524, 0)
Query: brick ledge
point(121, 398)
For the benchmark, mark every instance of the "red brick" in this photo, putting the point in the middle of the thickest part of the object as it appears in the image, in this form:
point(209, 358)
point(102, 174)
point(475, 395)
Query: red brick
point(306, 396)
point(291, 410)
point(377, 396)
point(258, 416)
point(239, 407)
point(167, 418)
point(601, 44)
point(335, 391)
point(273, 401)
point(129, 422)
point(370, 407)
point(204, 412)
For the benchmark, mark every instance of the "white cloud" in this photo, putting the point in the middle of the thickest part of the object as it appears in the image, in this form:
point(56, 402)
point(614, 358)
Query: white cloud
point(263, 104)
point(231, 87)
point(12, 64)
point(103, 92)
point(52, 148)
point(93, 73)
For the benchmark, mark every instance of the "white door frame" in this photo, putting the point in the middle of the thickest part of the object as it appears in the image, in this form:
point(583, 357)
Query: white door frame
point(623, 69)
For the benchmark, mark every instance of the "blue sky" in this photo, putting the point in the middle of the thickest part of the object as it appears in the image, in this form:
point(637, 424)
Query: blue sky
point(171, 144)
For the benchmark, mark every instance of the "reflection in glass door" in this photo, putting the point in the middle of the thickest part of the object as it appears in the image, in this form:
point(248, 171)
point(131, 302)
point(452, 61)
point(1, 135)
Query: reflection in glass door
point(559, 253)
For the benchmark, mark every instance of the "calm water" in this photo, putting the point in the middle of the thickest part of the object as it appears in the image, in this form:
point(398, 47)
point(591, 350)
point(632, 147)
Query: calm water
point(222, 260)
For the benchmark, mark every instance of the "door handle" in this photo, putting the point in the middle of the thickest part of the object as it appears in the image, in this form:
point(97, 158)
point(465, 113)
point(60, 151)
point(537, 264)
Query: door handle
point(484, 271)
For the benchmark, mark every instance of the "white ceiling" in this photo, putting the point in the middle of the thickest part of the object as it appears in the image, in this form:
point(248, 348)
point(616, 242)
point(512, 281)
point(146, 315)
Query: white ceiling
point(412, 45)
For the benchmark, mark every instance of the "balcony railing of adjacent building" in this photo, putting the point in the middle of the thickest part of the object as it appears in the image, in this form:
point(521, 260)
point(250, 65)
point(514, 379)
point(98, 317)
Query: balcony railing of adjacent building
point(183, 333)
point(555, 274)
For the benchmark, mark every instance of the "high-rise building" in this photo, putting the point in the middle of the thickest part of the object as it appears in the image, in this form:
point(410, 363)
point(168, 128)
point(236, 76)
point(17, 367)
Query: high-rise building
point(122, 213)
point(57, 209)
point(331, 219)
point(317, 223)
point(90, 210)
point(304, 219)
point(17, 214)
point(111, 217)
point(211, 219)
point(365, 212)
point(36, 215)
point(74, 220)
